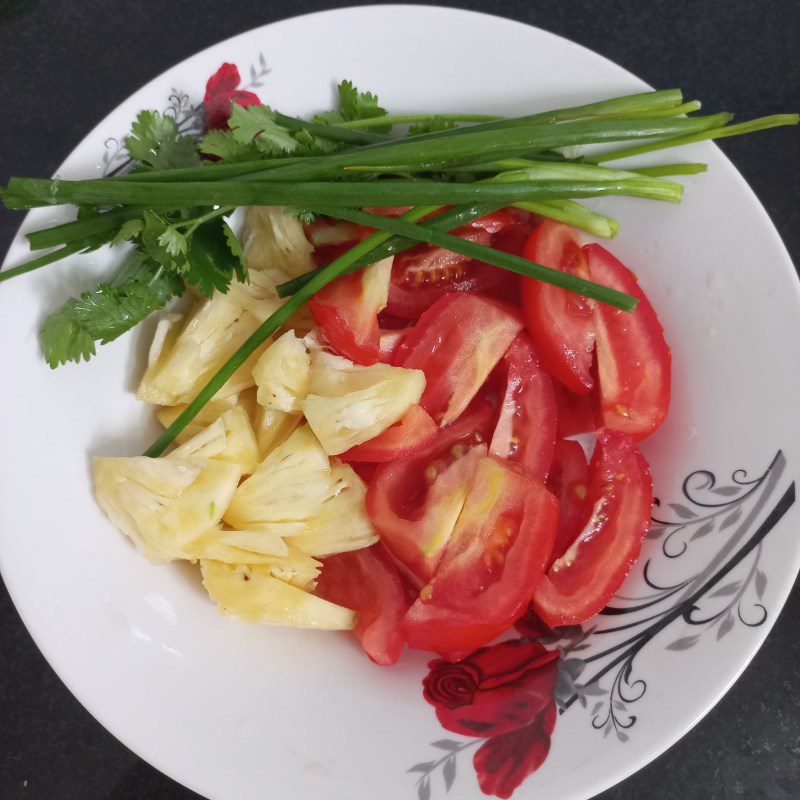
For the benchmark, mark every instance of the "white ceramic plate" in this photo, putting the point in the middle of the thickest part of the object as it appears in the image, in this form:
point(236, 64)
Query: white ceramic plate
point(239, 712)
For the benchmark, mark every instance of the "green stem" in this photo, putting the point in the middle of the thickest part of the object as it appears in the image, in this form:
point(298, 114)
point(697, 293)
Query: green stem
point(80, 230)
point(573, 214)
point(751, 126)
point(330, 132)
point(194, 224)
point(29, 193)
point(406, 119)
point(670, 111)
point(662, 170)
point(318, 281)
point(36, 263)
point(497, 258)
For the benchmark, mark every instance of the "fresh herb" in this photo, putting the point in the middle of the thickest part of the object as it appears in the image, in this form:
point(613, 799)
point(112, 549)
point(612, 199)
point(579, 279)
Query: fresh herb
point(156, 142)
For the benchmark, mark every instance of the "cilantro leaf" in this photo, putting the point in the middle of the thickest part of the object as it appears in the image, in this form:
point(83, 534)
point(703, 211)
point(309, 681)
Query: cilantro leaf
point(214, 254)
point(226, 147)
point(156, 142)
point(70, 332)
point(256, 124)
point(129, 229)
point(354, 105)
point(310, 145)
point(161, 242)
point(433, 125)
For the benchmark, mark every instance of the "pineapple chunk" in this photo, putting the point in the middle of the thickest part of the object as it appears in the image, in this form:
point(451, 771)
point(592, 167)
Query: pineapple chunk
point(301, 321)
point(274, 238)
point(210, 412)
point(258, 296)
point(375, 283)
point(230, 438)
point(288, 486)
point(273, 428)
point(223, 545)
point(186, 360)
point(252, 594)
point(162, 504)
point(342, 523)
point(297, 568)
point(282, 374)
point(349, 404)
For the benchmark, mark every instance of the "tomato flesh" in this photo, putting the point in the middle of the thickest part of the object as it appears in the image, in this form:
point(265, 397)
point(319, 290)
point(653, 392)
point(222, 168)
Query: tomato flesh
point(414, 502)
point(568, 481)
point(577, 413)
point(457, 343)
point(410, 435)
point(633, 359)
point(492, 565)
point(368, 582)
point(614, 521)
point(560, 322)
point(526, 428)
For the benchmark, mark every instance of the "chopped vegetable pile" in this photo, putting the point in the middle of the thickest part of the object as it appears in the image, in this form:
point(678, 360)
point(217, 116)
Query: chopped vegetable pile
point(370, 403)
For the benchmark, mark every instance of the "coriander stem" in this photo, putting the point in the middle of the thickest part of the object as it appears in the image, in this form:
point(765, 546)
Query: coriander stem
point(498, 258)
point(319, 280)
point(404, 119)
point(331, 132)
point(194, 224)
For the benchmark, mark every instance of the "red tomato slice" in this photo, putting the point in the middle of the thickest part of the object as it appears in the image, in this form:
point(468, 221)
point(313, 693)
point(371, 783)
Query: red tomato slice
point(457, 343)
point(568, 481)
point(526, 428)
point(423, 274)
point(492, 565)
point(415, 431)
point(346, 313)
point(414, 502)
point(577, 413)
point(615, 518)
point(367, 581)
point(560, 322)
point(633, 359)
point(332, 237)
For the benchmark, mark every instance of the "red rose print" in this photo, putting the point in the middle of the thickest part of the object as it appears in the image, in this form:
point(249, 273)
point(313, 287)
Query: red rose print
point(530, 625)
point(503, 693)
point(503, 762)
point(495, 690)
point(221, 92)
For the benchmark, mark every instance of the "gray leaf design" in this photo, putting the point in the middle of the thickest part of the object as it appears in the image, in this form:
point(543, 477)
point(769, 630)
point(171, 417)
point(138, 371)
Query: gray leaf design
point(582, 700)
point(593, 690)
point(256, 84)
point(449, 772)
point(656, 531)
point(446, 744)
point(424, 790)
point(726, 491)
point(703, 530)
point(727, 590)
point(731, 520)
point(684, 643)
point(252, 73)
point(682, 511)
point(761, 583)
point(423, 766)
point(607, 728)
point(619, 705)
point(726, 626)
point(262, 61)
point(622, 736)
point(573, 667)
point(596, 707)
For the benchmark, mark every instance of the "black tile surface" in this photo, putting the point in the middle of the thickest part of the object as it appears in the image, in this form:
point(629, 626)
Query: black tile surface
point(64, 64)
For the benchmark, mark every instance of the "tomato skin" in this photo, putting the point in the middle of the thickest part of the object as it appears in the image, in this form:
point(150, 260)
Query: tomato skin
point(346, 313)
point(368, 582)
point(424, 273)
point(492, 565)
point(614, 521)
point(568, 481)
point(526, 428)
point(457, 343)
point(413, 502)
point(560, 322)
point(633, 358)
point(413, 433)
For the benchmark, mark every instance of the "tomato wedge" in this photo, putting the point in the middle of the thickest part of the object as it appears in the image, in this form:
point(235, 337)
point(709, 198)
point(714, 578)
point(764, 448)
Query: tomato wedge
point(414, 502)
point(526, 428)
point(614, 520)
point(346, 312)
point(367, 581)
point(410, 435)
point(577, 413)
point(492, 565)
point(560, 322)
point(457, 343)
point(568, 481)
point(633, 359)
point(423, 274)
point(332, 237)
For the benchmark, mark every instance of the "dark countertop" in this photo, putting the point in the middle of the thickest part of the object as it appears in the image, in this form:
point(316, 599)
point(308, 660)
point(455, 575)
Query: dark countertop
point(64, 65)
